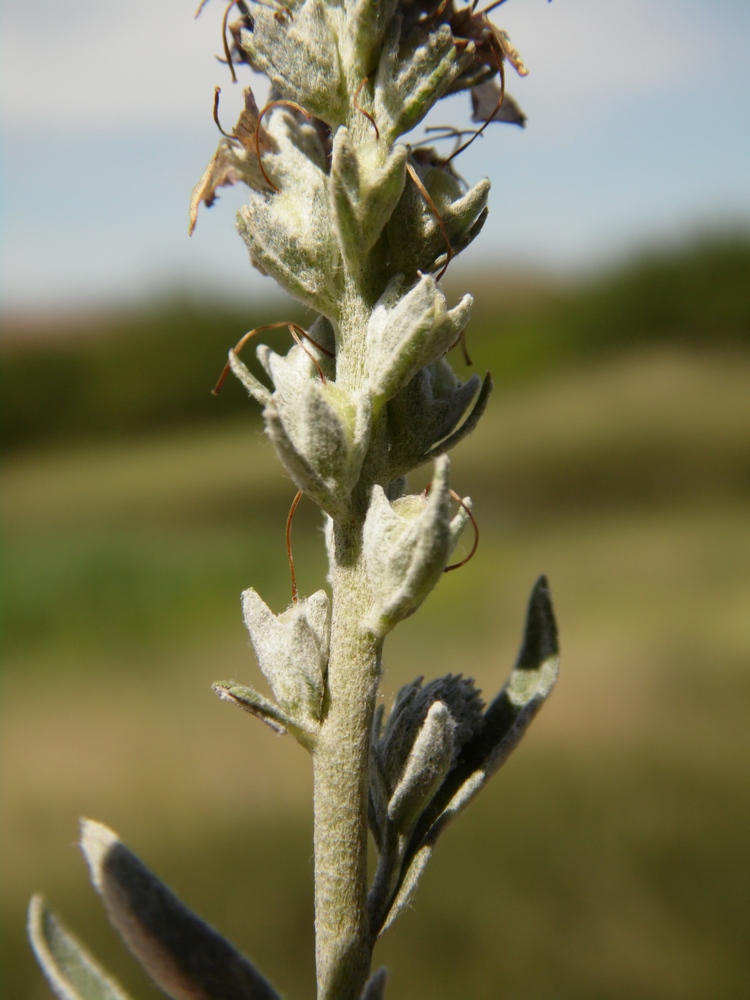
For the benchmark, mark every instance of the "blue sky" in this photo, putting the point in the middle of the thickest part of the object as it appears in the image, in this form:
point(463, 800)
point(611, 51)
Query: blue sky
point(638, 135)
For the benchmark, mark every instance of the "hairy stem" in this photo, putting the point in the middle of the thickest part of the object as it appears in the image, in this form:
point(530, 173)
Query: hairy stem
point(341, 760)
point(341, 766)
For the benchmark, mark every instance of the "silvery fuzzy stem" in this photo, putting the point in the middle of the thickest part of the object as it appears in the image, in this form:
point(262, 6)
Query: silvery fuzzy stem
point(341, 768)
point(341, 759)
point(350, 354)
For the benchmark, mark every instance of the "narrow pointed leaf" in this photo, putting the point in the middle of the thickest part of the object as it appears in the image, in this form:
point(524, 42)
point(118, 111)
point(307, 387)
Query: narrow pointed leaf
point(505, 721)
point(525, 691)
point(488, 742)
point(381, 193)
point(70, 970)
point(408, 886)
point(299, 468)
point(254, 386)
point(367, 23)
point(468, 423)
point(413, 73)
point(299, 55)
point(185, 957)
point(250, 700)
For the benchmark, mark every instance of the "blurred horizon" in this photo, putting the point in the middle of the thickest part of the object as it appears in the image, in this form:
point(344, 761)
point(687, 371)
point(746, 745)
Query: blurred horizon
point(608, 859)
point(489, 278)
point(149, 366)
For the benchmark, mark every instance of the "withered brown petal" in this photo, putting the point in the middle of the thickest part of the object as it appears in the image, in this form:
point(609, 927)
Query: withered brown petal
point(509, 51)
point(235, 160)
point(220, 171)
point(484, 100)
point(247, 125)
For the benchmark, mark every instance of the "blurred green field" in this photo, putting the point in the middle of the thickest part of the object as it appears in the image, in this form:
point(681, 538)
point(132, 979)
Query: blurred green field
point(608, 860)
point(127, 373)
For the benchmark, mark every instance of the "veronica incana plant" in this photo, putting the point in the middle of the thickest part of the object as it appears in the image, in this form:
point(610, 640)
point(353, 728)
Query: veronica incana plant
point(359, 226)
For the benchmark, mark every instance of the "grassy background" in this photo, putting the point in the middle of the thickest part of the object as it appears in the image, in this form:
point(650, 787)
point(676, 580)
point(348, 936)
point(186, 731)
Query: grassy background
point(609, 858)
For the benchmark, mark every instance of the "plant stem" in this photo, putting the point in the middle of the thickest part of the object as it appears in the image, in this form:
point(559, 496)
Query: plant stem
point(341, 769)
point(341, 760)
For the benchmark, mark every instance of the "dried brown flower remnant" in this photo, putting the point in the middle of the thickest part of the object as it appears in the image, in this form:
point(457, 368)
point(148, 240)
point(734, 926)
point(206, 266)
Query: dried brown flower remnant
point(492, 44)
point(488, 103)
point(235, 159)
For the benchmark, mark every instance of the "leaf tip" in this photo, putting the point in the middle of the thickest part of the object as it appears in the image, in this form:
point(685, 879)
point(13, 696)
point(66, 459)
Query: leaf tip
point(97, 840)
point(540, 642)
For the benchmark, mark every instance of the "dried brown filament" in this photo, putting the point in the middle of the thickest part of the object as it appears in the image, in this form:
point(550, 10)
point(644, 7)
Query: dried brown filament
point(358, 107)
point(457, 498)
point(278, 12)
point(487, 10)
point(461, 339)
point(438, 217)
point(225, 42)
point(438, 132)
point(228, 135)
point(288, 537)
point(478, 132)
point(296, 331)
point(474, 525)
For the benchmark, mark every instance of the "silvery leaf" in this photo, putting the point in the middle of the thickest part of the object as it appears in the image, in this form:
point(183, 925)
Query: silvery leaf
point(290, 234)
point(432, 413)
point(254, 386)
point(320, 433)
point(505, 720)
point(366, 23)
point(413, 74)
point(413, 873)
point(487, 741)
point(406, 545)
point(70, 970)
point(185, 957)
point(364, 196)
point(429, 760)
point(252, 701)
point(299, 54)
point(292, 651)
point(408, 331)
